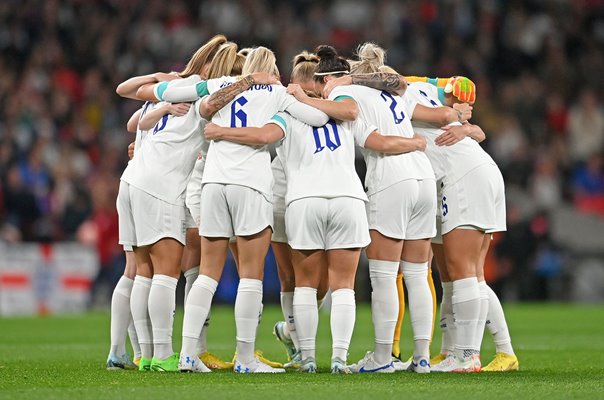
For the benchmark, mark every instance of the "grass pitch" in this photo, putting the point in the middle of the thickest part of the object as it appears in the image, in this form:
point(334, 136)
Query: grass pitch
point(560, 347)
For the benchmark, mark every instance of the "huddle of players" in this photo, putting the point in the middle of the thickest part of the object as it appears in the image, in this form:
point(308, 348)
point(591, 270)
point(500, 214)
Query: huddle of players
point(201, 166)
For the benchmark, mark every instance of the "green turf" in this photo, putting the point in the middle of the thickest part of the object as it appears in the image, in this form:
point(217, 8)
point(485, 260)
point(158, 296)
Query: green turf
point(561, 351)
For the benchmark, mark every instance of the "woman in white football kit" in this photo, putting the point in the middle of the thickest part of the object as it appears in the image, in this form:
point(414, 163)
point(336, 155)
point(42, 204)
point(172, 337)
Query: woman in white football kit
point(121, 317)
point(153, 193)
point(236, 201)
point(401, 210)
point(134, 88)
point(472, 199)
point(226, 62)
point(303, 69)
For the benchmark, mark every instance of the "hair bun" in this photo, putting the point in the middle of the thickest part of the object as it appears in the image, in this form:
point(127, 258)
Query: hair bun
point(325, 51)
point(371, 53)
point(305, 57)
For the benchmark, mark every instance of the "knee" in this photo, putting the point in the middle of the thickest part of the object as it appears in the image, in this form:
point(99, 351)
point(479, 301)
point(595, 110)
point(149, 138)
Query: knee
point(288, 283)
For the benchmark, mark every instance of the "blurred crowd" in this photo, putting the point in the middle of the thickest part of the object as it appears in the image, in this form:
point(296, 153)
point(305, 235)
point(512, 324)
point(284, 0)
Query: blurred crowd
point(537, 65)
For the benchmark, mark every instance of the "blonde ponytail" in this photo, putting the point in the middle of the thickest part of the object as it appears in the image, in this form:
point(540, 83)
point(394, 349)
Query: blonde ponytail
point(371, 58)
point(260, 59)
point(224, 60)
point(203, 56)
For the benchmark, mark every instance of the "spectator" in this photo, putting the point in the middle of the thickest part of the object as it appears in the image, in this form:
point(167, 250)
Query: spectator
point(588, 185)
point(61, 125)
point(586, 127)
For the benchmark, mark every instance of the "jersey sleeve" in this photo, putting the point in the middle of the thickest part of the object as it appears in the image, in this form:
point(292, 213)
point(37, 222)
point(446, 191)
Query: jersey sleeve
point(181, 90)
point(216, 84)
point(282, 120)
point(361, 131)
point(305, 113)
point(341, 93)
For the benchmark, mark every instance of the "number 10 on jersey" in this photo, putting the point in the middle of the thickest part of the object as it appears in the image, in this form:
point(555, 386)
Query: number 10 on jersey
point(332, 139)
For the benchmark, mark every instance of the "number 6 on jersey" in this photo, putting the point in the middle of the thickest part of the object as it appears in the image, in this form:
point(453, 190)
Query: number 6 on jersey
point(238, 114)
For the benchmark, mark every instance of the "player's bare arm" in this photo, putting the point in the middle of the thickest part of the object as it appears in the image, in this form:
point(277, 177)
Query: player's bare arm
point(151, 118)
point(394, 144)
point(443, 115)
point(455, 133)
point(136, 87)
point(214, 102)
point(394, 83)
point(133, 121)
point(345, 110)
point(252, 136)
point(131, 151)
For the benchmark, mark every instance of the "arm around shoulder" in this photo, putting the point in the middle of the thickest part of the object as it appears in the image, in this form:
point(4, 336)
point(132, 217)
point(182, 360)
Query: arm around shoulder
point(394, 144)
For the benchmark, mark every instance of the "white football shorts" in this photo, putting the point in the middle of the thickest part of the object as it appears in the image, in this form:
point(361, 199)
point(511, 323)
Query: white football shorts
point(193, 196)
point(127, 233)
point(404, 210)
point(152, 218)
point(476, 200)
point(279, 232)
point(316, 223)
point(279, 191)
point(233, 210)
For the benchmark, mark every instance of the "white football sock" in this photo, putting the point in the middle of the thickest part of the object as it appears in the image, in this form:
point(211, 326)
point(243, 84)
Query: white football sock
point(384, 306)
point(343, 316)
point(162, 305)
point(287, 306)
point(325, 300)
point(197, 311)
point(136, 348)
point(202, 343)
point(447, 323)
point(482, 317)
point(120, 315)
point(190, 276)
point(139, 306)
point(466, 307)
point(259, 317)
point(419, 296)
point(248, 306)
point(497, 325)
point(306, 315)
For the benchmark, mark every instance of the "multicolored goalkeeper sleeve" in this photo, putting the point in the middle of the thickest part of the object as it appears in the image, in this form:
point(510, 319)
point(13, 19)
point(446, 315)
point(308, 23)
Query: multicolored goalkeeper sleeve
point(461, 88)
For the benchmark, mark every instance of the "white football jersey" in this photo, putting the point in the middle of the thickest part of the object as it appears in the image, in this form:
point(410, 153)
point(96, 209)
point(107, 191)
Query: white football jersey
point(392, 117)
point(450, 163)
point(166, 157)
point(237, 164)
point(319, 162)
point(212, 85)
point(140, 136)
point(280, 180)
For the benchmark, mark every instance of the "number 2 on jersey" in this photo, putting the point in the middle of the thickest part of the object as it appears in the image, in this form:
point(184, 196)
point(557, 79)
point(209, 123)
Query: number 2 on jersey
point(429, 99)
point(161, 124)
point(237, 113)
point(389, 98)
